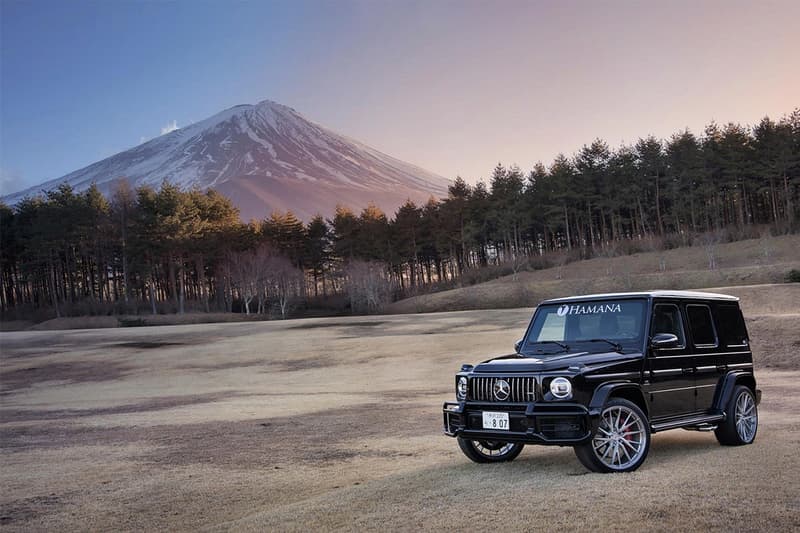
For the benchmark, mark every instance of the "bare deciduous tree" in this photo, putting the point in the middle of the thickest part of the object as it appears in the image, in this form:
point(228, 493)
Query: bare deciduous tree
point(367, 286)
point(247, 273)
point(283, 282)
point(710, 241)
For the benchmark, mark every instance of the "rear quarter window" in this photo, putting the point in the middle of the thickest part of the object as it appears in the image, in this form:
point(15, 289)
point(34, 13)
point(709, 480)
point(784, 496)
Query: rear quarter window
point(701, 325)
point(732, 331)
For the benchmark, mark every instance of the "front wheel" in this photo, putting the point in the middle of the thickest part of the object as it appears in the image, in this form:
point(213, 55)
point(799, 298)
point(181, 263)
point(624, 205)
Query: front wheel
point(741, 424)
point(621, 442)
point(490, 451)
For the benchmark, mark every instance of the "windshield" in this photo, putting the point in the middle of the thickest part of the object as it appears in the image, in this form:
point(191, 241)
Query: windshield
point(592, 326)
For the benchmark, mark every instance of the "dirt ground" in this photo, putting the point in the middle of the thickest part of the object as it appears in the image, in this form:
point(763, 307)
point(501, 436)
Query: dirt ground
point(116, 321)
point(335, 423)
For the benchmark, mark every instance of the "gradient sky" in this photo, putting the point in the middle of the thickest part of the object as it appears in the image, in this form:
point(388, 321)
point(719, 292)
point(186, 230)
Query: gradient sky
point(453, 86)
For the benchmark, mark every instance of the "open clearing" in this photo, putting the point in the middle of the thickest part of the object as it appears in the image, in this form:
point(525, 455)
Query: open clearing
point(335, 424)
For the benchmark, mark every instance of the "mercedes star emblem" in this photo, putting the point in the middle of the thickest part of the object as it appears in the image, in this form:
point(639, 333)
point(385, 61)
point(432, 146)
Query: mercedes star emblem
point(501, 389)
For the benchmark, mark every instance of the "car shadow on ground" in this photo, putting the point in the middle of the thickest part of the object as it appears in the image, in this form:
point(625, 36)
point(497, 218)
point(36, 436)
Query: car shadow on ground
point(665, 449)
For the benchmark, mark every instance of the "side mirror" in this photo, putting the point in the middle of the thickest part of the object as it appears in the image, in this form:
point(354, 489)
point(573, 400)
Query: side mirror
point(517, 345)
point(664, 340)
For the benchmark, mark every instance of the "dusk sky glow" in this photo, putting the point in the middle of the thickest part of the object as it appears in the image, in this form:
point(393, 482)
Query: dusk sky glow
point(452, 86)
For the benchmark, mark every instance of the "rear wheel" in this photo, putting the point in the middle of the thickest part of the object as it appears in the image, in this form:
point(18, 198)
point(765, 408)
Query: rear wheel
point(621, 442)
point(490, 451)
point(741, 425)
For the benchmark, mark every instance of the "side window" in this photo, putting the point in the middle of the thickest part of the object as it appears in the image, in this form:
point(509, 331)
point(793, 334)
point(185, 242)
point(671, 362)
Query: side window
point(701, 325)
point(732, 331)
point(667, 319)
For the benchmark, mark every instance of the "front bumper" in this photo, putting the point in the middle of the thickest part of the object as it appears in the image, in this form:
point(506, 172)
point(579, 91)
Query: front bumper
point(560, 424)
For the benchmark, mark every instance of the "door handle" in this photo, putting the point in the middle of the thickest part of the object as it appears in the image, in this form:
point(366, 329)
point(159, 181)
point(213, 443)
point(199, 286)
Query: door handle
point(688, 370)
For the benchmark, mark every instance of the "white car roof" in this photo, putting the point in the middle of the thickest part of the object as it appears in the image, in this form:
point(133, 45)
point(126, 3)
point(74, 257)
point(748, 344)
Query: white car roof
point(684, 295)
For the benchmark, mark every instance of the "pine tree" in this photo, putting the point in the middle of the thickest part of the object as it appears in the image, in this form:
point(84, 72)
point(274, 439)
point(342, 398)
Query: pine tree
point(318, 251)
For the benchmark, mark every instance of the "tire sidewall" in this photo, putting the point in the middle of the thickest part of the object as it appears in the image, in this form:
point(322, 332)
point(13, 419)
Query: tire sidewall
point(738, 392)
point(587, 455)
point(468, 447)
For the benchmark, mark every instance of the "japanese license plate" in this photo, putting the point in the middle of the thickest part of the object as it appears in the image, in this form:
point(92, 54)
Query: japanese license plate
point(493, 420)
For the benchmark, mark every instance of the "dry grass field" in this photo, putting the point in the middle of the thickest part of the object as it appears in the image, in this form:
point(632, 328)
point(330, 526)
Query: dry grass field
point(749, 262)
point(335, 423)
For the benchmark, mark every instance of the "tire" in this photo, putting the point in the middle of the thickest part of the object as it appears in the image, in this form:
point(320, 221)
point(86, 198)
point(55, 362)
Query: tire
point(621, 441)
point(741, 423)
point(490, 451)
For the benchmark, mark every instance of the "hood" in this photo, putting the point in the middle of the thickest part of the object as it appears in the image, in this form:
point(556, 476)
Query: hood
point(587, 361)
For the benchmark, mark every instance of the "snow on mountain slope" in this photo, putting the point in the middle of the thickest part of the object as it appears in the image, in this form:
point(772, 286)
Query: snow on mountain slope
point(264, 157)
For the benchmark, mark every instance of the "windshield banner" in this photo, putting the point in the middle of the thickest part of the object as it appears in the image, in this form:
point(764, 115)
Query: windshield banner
point(577, 309)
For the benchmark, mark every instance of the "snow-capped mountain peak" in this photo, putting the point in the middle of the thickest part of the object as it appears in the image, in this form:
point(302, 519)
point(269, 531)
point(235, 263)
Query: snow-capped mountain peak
point(265, 156)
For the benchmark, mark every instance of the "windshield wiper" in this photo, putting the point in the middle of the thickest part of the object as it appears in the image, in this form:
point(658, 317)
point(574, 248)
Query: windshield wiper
point(564, 346)
point(617, 346)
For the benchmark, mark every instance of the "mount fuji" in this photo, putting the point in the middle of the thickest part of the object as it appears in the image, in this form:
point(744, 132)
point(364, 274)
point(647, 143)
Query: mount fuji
point(263, 157)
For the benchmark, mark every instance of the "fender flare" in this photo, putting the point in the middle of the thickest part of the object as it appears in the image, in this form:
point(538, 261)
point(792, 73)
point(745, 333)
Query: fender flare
point(605, 391)
point(728, 383)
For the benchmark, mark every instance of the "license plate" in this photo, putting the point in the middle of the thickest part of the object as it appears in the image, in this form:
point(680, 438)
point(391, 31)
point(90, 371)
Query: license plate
point(493, 420)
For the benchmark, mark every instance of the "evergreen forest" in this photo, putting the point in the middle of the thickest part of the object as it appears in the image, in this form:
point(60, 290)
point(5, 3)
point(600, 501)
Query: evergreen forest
point(145, 250)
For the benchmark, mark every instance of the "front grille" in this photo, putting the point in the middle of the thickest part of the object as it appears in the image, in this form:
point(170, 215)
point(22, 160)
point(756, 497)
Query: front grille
point(521, 389)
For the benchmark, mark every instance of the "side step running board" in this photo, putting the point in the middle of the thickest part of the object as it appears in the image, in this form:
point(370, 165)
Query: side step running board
point(701, 427)
point(703, 420)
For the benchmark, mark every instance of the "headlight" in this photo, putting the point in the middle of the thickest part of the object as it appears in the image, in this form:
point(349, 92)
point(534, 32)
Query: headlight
point(461, 388)
point(561, 388)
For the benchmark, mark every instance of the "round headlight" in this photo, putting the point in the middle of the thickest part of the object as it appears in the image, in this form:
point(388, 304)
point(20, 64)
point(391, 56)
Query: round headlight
point(561, 388)
point(461, 388)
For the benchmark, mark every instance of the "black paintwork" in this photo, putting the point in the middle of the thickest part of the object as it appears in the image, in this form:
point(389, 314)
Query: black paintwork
point(678, 386)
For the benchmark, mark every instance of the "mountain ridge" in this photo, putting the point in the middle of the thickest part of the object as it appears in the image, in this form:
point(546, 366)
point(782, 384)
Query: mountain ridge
point(264, 156)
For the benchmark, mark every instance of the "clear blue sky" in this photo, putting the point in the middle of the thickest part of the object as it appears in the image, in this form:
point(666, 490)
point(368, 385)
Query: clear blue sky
point(452, 86)
point(84, 80)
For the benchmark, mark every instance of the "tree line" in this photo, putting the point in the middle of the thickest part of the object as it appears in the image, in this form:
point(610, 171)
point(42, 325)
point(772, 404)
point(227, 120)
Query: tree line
point(168, 250)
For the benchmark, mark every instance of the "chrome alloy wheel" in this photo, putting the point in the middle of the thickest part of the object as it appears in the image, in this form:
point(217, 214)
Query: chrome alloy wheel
point(492, 448)
point(746, 417)
point(620, 440)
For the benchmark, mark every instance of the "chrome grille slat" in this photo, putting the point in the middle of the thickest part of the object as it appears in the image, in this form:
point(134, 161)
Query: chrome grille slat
point(522, 389)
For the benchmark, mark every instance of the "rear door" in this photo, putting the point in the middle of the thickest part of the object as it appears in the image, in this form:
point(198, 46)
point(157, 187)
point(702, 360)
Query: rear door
point(734, 343)
point(705, 352)
point(671, 391)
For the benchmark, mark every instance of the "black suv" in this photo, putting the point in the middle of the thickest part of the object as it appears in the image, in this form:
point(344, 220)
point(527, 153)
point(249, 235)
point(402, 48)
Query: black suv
point(603, 372)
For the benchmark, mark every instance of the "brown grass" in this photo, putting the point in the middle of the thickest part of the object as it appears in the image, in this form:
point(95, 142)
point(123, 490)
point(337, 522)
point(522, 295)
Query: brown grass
point(335, 424)
point(101, 322)
point(739, 263)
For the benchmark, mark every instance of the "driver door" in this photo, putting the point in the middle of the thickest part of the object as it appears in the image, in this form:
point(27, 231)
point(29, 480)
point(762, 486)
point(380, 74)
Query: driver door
point(671, 391)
